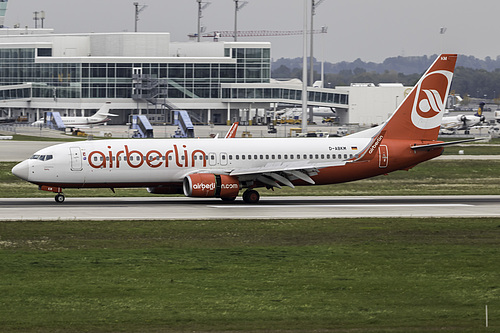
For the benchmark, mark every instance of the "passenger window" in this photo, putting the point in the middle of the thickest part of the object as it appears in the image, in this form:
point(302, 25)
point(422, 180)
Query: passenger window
point(267, 157)
point(230, 157)
point(310, 156)
point(333, 156)
point(249, 157)
point(285, 157)
point(345, 155)
point(291, 157)
point(261, 157)
point(242, 157)
point(223, 157)
point(212, 157)
point(272, 157)
point(340, 156)
point(237, 157)
point(316, 156)
point(322, 156)
point(279, 156)
point(305, 156)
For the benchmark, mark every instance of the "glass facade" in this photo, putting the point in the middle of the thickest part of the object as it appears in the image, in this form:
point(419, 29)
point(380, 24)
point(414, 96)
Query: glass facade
point(145, 80)
point(115, 80)
point(284, 94)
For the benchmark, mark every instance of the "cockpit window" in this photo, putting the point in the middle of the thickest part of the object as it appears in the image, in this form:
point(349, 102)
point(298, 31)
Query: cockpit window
point(42, 157)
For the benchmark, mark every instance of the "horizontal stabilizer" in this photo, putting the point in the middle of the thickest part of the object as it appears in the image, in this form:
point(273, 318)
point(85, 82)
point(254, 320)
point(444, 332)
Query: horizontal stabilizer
point(443, 144)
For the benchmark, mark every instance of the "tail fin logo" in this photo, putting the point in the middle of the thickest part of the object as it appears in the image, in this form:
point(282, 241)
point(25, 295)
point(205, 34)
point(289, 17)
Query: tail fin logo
point(429, 102)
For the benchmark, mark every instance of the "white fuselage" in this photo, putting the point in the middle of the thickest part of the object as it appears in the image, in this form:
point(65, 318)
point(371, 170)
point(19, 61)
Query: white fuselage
point(147, 162)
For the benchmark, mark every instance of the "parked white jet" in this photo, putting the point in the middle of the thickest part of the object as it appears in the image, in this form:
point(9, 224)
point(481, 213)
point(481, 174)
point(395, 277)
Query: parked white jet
point(220, 168)
point(463, 121)
point(100, 117)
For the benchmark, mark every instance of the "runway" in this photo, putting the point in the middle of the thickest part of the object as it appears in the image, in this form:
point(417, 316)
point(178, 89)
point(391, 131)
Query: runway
point(181, 208)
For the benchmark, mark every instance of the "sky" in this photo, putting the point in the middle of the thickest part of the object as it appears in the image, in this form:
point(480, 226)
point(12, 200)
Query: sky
point(371, 30)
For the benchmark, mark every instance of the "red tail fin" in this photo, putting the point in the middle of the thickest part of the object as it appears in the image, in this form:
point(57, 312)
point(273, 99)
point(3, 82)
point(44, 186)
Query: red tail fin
point(232, 131)
point(420, 114)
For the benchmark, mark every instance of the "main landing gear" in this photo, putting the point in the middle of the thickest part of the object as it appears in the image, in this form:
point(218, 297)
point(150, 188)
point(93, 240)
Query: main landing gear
point(251, 196)
point(59, 197)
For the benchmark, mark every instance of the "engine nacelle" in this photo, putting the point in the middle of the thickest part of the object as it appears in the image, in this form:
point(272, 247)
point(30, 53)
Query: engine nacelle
point(210, 185)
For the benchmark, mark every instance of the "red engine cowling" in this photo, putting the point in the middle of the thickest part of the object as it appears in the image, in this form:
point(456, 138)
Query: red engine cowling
point(210, 185)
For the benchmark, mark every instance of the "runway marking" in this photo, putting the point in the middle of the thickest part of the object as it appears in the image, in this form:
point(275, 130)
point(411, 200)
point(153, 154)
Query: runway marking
point(341, 205)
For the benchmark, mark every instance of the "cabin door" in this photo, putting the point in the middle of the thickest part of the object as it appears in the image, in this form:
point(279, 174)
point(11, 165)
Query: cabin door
point(383, 156)
point(76, 159)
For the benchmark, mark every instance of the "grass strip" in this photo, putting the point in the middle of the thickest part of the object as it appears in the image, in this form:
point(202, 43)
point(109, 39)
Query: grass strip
point(329, 275)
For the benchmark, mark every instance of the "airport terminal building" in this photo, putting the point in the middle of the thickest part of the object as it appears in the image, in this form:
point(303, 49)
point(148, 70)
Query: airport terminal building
point(147, 73)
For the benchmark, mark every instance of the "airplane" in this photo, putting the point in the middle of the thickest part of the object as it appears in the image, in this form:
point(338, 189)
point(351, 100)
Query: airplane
point(100, 117)
point(462, 121)
point(221, 168)
point(232, 131)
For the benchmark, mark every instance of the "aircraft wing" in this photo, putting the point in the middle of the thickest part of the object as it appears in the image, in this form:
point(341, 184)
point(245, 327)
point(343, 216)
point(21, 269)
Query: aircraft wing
point(286, 166)
point(279, 172)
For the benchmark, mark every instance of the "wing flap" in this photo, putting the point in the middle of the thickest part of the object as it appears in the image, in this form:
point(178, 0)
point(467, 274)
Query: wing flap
point(286, 167)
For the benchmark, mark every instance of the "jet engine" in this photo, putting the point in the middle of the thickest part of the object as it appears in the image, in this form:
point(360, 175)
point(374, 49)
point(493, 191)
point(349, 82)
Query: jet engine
point(210, 185)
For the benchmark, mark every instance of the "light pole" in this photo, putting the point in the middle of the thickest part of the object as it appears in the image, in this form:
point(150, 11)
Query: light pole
point(201, 5)
point(314, 5)
point(137, 12)
point(304, 71)
point(237, 7)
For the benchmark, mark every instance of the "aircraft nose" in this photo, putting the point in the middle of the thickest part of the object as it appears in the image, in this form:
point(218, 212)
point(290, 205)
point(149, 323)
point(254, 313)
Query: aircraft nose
point(21, 170)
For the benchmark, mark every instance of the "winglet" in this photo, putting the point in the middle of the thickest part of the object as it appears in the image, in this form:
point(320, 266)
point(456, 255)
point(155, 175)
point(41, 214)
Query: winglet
point(232, 131)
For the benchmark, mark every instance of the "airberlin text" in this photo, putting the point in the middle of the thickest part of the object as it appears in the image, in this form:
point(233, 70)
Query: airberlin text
point(115, 159)
point(211, 186)
point(376, 143)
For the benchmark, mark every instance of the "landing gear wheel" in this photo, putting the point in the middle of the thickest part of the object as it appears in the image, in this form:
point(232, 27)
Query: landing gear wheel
point(228, 199)
point(60, 198)
point(251, 196)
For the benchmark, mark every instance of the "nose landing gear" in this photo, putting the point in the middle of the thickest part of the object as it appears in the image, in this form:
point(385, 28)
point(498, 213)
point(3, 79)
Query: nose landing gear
point(59, 197)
